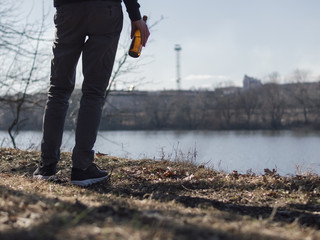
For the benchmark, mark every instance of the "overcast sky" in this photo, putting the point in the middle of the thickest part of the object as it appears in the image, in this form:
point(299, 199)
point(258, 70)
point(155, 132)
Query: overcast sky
point(222, 40)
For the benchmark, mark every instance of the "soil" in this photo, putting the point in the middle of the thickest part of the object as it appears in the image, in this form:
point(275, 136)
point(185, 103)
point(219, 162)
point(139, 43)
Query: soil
point(153, 199)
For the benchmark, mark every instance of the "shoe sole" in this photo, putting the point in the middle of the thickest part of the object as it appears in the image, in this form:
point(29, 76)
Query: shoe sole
point(88, 182)
point(41, 177)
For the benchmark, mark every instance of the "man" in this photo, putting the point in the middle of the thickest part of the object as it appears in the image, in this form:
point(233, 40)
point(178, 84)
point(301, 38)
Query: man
point(91, 28)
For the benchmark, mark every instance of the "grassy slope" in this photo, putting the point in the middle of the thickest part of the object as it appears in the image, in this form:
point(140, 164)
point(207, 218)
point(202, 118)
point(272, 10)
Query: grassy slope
point(149, 199)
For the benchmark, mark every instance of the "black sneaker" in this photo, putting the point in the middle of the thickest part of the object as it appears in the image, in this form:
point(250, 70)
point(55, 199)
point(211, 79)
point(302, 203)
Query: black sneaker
point(91, 175)
point(47, 172)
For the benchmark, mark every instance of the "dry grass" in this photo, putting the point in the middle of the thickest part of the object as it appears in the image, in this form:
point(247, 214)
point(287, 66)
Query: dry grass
point(149, 199)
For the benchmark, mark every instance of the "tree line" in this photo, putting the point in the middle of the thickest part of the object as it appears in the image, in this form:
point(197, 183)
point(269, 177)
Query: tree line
point(269, 106)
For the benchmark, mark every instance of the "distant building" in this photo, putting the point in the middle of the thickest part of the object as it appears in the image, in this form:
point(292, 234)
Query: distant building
point(250, 82)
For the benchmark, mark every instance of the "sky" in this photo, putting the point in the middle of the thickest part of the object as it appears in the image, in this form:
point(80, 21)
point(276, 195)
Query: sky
point(221, 41)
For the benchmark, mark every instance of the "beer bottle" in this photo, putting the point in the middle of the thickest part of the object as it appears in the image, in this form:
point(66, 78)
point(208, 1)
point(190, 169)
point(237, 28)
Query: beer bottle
point(136, 45)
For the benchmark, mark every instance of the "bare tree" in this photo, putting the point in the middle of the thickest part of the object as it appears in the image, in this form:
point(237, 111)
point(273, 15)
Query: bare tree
point(274, 103)
point(160, 108)
point(301, 93)
point(316, 104)
point(225, 107)
point(190, 109)
point(248, 102)
point(21, 57)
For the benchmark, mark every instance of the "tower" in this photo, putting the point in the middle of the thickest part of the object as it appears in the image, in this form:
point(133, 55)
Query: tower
point(178, 48)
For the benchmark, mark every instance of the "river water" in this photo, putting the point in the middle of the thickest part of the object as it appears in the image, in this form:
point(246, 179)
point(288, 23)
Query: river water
point(290, 152)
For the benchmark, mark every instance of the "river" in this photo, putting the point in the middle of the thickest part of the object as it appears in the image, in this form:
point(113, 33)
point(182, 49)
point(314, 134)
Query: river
point(289, 152)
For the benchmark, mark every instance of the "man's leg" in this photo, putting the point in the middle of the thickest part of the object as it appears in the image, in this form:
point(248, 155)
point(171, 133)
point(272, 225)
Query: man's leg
point(98, 58)
point(67, 48)
point(92, 100)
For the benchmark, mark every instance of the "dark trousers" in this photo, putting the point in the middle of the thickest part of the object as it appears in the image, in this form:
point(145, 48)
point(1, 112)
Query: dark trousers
point(93, 29)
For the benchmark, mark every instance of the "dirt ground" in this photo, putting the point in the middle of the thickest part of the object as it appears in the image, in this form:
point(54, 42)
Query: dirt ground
point(150, 199)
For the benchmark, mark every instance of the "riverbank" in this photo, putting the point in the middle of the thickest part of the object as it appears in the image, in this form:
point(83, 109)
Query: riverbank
point(148, 199)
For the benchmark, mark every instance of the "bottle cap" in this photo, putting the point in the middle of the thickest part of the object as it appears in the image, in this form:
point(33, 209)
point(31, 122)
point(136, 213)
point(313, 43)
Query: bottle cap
point(145, 18)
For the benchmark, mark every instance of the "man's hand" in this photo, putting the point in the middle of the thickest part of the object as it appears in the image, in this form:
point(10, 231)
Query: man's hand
point(142, 26)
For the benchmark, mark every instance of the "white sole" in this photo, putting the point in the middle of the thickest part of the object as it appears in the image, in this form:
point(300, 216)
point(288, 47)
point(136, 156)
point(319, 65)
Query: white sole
point(88, 182)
